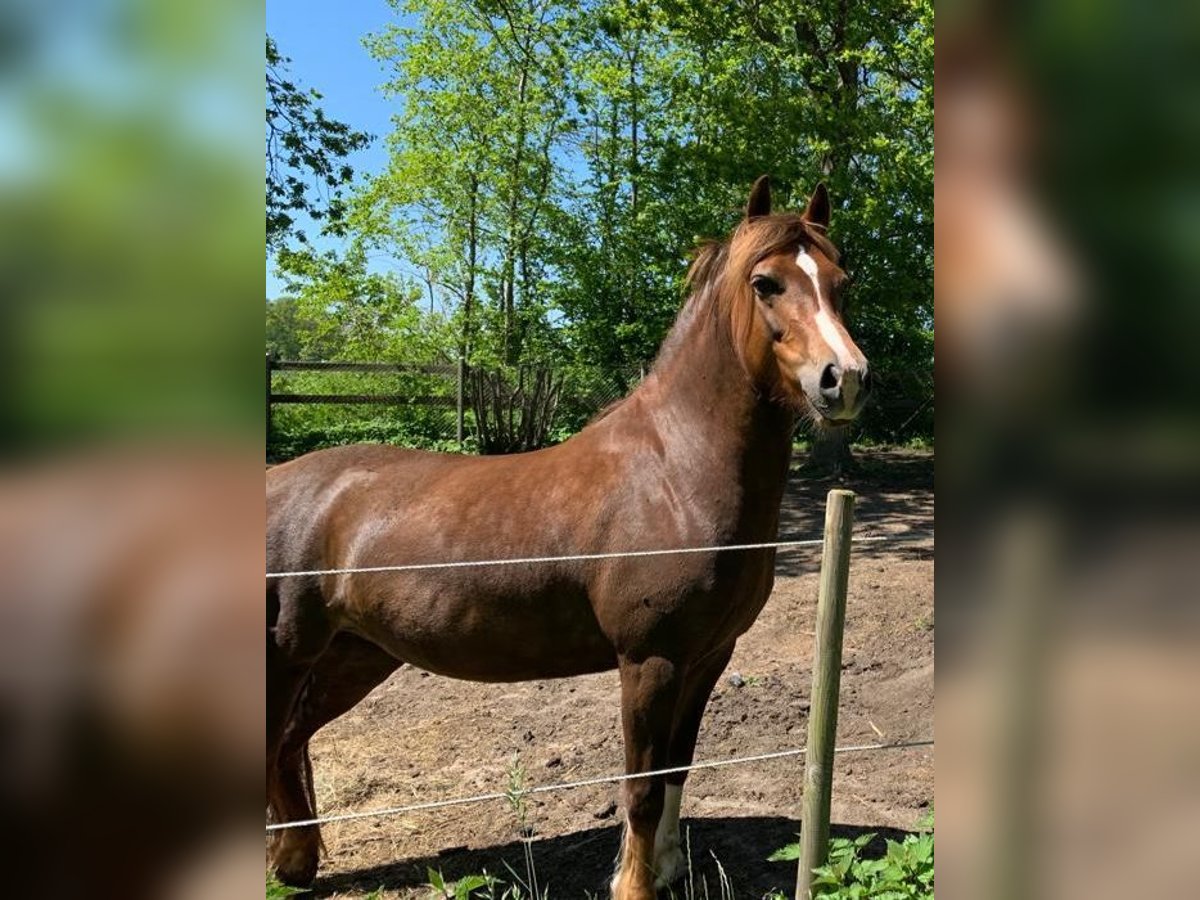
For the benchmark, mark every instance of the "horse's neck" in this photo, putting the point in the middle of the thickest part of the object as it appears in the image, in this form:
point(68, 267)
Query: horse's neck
point(716, 429)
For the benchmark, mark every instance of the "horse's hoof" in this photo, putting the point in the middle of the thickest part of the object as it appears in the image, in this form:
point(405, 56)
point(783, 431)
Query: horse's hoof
point(670, 864)
point(296, 871)
point(299, 878)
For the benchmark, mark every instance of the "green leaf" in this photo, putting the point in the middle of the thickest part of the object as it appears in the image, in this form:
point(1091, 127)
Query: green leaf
point(436, 881)
point(786, 854)
point(467, 884)
point(277, 890)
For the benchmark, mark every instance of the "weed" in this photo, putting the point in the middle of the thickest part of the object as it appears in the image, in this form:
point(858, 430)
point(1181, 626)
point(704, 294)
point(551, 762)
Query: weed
point(478, 886)
point(277, 890)
point(516, 795)
point(904, 873)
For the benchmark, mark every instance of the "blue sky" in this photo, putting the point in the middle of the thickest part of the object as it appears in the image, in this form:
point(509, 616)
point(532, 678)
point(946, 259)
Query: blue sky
point(324, 41)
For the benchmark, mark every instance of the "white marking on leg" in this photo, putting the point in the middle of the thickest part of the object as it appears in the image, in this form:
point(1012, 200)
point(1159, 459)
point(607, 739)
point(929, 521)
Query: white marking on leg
point(668, 822)
point(668, 851)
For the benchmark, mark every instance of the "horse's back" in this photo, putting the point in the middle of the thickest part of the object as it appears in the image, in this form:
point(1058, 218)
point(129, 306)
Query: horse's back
point(303, 494)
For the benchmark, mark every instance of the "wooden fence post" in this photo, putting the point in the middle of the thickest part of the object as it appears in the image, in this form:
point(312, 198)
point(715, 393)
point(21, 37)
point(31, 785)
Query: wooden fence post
point(827, 668)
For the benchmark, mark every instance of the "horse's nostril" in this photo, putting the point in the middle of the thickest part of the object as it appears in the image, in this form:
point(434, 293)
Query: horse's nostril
point(831, 377)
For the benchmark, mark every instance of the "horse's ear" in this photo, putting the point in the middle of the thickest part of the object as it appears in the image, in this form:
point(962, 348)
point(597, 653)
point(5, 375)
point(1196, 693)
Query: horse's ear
point(817, 211)
point(759, 203)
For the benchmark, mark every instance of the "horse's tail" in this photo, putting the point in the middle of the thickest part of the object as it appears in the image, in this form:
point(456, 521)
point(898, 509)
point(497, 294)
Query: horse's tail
point(310, 792)
point(303, 702)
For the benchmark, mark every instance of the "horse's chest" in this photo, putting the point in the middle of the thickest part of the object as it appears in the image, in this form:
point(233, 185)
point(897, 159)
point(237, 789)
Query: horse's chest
point(746, 594)
point(702, 604)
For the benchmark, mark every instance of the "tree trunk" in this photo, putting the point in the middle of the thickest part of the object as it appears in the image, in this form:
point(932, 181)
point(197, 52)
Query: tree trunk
point(633, 249)
point(634, 162)
point(464, 346)
point(523, 266)
point(511, 349)
point(830, 452)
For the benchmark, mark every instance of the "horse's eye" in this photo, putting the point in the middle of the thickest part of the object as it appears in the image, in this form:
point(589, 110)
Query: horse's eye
point(765, 286)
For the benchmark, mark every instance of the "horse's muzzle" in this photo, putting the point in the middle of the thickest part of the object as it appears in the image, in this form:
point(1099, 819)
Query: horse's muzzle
point(842, 392)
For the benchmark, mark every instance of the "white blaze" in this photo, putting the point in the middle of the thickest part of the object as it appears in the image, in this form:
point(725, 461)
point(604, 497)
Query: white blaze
point(833, 337)
point(809, 265)
point(830, 331)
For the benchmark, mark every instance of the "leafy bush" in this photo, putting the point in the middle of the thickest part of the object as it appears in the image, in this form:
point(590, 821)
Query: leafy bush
point(296, 438)
point(905, 872)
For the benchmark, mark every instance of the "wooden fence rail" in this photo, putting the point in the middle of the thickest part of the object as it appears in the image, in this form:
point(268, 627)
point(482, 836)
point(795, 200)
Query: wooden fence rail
point(364, 399)
point(445, 370)
point(402, 368)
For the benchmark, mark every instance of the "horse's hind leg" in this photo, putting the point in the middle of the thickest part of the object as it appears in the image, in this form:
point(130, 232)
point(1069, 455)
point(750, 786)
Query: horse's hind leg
point(298, 632)
point(649, 693)
point(343, 675)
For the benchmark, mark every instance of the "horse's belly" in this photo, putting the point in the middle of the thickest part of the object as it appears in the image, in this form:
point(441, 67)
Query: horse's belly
point(500, 667)
point(501, 639)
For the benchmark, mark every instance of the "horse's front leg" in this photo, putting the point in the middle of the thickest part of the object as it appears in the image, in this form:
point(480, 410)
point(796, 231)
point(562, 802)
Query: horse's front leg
point(649, 692)
point(669, 859)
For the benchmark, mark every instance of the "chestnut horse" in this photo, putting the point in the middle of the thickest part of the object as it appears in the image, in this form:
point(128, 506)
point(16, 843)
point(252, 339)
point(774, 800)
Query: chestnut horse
point(697, 455)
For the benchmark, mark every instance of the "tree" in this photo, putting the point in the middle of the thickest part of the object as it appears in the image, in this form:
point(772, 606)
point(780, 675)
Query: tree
point(286, 328)
point(838, 92)
point(620, 249)
point(685, 103)
point(343, 311)
point(306, 152)
point(469, 183)
point(553, 165)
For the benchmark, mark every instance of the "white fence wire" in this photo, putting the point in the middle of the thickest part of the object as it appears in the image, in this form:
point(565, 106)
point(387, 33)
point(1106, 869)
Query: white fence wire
point(615, 554)
point(585, 782)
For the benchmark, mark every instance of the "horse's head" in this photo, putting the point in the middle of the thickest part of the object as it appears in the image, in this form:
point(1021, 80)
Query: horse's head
point(787, 296)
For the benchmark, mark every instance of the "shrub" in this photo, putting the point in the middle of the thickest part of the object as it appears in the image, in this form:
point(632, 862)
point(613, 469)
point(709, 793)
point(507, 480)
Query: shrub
point(298, 438)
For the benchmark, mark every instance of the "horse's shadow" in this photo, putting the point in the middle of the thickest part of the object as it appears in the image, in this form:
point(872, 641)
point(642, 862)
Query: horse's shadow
point(580, 864)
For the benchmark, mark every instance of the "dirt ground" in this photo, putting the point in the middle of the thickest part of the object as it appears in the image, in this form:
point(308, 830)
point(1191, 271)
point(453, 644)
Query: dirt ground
point(419, 737)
